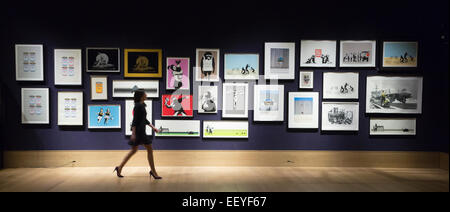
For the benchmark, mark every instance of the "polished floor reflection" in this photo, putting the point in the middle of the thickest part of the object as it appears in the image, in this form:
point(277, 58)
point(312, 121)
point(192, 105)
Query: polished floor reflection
point(226, 179)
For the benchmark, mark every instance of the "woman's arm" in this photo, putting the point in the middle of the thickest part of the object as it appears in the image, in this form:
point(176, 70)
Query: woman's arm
point(154, 128)
point(133, 133)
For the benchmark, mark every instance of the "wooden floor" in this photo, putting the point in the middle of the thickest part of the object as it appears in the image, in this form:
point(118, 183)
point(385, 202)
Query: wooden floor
point(226, 179)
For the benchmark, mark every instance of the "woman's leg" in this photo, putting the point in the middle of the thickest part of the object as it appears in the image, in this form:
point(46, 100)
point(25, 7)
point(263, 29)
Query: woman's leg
point(151, 162)
point(133, 150)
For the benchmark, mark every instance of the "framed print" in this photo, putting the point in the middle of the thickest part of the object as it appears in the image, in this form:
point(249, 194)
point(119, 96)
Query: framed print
point(225, 129)
point(177, 106)
point(207, 65)
point(387, 94)
point(70, 108)
point(102, 59)
point(318, 53)
point(303, 110)
point(241, 66)
point(126, 88)
point(235, 100)
point(35, 106)
point(177, 73)
point(29, 62)
point(129, 113)
point(178, 128)
point(279, 61)
point(68, 67)
point(208, 98)
point(143, 63)
point(358, 53)
point(104, 116)
point(395, 126)
point(306, 80)
point(400, 54)
point(340, 85)
point(268, 103)
point(99, 87)
point(340, 116)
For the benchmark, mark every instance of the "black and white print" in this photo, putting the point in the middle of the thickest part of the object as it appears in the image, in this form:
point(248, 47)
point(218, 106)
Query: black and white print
point(102, 59)
point(340, 85)
point(358, 53)
point(396, 126)
point(235, 100)
point(394, 94)
point(126, 88)
point(320, 53)
point(340, 116)
point(207, 99)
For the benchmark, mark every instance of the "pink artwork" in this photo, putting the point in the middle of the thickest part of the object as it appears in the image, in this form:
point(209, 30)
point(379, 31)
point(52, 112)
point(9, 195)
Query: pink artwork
point(177, 73)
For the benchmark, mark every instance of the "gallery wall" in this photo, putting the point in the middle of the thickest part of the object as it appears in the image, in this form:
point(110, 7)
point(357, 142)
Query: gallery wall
point(233, 28)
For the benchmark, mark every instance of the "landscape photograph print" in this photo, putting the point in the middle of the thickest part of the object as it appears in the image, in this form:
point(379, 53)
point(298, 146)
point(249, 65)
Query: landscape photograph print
point(400, 54)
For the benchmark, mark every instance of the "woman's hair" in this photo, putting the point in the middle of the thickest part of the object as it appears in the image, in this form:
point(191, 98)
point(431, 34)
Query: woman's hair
point(138, 95)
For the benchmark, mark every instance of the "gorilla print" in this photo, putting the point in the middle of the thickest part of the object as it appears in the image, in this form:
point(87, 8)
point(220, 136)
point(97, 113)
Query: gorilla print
point(207, 65)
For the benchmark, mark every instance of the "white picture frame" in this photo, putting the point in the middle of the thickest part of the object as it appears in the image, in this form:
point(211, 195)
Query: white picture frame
point(358, 53)
point(225, 129)
point(392, 126)
point(340, 85)
point(99, 87)
point(70, 108)
point(211, 66)
point(275, 56)
point(129, 107)
point(318, 53)
point(126, 88)
point(67, 67)
point(340, 116)
point(268, 104)
point(208, 99)
point(178, 128)
point(402, 95)
point(29, 61)
point(235, 100)
point(35, 106)
point(306, 80)
point(303, 110)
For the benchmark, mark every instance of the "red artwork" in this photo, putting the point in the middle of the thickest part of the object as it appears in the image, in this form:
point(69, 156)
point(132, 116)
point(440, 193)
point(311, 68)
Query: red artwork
point(177, 105)
point(318, 52)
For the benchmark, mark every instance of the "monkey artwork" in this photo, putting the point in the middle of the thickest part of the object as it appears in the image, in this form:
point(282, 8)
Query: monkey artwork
point(207, 64)
point(177, 73)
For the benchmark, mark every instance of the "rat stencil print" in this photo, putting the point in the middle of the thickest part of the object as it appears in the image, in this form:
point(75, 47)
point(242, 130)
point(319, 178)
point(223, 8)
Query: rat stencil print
point(207, 64)
point(177, 105)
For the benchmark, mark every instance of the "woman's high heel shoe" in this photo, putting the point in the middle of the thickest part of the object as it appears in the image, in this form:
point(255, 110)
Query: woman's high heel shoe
point(117, 170)
point(154, 176)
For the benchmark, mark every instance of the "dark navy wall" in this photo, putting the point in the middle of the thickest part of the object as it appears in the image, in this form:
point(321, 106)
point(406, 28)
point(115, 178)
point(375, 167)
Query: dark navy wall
point(233, 27)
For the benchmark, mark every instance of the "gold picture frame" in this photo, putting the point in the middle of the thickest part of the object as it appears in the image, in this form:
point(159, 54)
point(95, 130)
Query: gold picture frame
point(143, 63)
